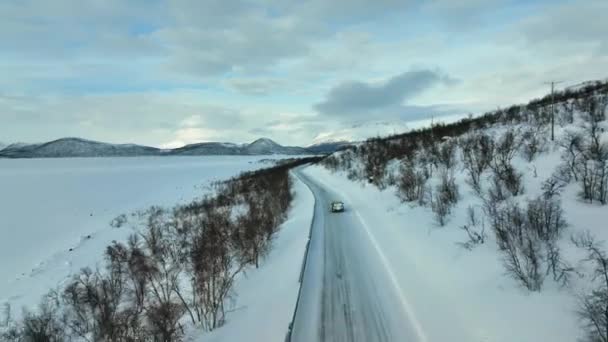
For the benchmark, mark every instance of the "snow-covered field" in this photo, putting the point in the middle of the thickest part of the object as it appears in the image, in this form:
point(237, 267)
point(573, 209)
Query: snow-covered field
point(55, 213)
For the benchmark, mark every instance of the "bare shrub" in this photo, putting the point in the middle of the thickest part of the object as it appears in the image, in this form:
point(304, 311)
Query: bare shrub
point(43, 326)
point(528, 239)
point(448, 188)
point(587, 158)
point(214, 268)
point(505, 175)
point(446, 196)
point(441, 208)
point(446, 154)
point(506, 181)
point(545, 218)
point(521, 252)
point(567, 113)
point(533, 142)
point(477, 154)
point(375, 159)
point(594, 108)
point(93, 306)
point(553, 186)
point(164, 321)
point(572, 146)
point(475, 230)
point(505, 149)
point(249, 242)
point(118, 221)
point(412, 182)
point(593, 306)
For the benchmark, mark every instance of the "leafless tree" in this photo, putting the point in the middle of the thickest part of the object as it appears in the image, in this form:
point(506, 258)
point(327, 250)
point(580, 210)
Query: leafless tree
point(505, 174)
point(412, 182)
point(527, 239)
point(446, 196)
point(475, 230)
point(572, 146)
point(593, 306)
point(533, 142)
point(446, 154)
point(215, 269)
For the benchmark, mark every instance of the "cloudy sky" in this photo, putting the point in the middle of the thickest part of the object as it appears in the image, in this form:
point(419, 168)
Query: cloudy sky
point(170, 72)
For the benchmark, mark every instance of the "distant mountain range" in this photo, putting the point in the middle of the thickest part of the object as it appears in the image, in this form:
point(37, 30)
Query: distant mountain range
point(77, 147)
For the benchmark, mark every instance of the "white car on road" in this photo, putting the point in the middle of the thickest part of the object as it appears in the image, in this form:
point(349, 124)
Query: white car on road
point(336, 207)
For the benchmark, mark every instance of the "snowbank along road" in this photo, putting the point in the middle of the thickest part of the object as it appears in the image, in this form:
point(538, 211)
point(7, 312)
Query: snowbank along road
point(348, 292)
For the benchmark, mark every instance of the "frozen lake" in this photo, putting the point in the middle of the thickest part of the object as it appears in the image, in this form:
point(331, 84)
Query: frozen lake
point(49, 206)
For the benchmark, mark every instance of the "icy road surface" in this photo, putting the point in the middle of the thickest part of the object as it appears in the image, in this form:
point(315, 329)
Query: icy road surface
point(348, 292)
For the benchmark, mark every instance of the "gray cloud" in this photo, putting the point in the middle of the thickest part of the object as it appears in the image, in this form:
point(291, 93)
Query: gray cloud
point(463, 15)
point(256, 87)
point(216, 37)
point(357, 98)
point(254, 44)
point(567, 24)
point(35, 30)
point(165, 69)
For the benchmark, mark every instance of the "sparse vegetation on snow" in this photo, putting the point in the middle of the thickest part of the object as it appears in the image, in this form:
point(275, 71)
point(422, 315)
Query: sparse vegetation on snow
point(179, 268)
point(500, 177)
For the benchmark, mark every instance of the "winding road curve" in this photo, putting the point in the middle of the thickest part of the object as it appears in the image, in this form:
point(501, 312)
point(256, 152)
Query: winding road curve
point(346, 293)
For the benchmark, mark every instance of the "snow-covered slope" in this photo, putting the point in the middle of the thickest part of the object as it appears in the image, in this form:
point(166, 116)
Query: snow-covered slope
point(362, 131)
point(210, 148)
point(55, 213)
point(76, 147)
point(327, 147)
point(451, 261)
point(454, 294)
point(262, 146)
point(268, 146)
point(372, 129)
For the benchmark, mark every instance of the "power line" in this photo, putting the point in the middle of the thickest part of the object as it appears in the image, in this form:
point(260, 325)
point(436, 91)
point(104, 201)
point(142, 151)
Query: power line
point(553, 83)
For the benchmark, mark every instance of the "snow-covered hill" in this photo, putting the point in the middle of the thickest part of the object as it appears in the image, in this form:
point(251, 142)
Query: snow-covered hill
point(208, 148)
point(267, 146)
point(361, 131)
point(76, 147)
point(262, 146)
point(328, 147)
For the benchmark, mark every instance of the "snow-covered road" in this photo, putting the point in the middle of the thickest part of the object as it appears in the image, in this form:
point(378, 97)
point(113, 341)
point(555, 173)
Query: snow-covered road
point(348, 291)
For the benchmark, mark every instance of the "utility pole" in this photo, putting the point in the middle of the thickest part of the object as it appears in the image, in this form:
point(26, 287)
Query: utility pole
point(553, 83)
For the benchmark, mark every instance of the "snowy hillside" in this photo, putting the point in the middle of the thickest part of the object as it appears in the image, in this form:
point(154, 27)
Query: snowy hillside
point(262, 146)
point(56, 213)
point(328, 147)
point(210, 148)
point(267, 146)
point(493, 230)
point(76, 147)
point(373, 129)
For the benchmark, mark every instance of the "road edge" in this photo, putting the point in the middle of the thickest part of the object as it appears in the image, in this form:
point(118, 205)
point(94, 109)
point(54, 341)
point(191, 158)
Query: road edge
point(305, 258)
